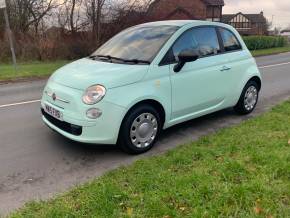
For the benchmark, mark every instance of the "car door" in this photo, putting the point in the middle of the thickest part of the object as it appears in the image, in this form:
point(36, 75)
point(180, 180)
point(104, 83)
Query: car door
point(201, 86)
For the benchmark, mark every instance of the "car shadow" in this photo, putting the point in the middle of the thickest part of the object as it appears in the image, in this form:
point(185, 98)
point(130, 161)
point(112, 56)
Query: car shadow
point(169, 138)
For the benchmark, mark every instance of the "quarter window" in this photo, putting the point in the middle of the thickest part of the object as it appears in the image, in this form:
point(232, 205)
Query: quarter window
point(230, 41)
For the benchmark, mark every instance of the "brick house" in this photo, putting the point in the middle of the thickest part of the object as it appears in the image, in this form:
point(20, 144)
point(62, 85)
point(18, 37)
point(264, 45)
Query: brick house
point(186, 9)
point(286, 33)
point(247, 24)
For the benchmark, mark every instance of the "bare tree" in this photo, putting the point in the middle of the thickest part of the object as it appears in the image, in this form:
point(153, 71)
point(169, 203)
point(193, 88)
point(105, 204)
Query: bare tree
point(68, 28)
point(38, 10)
point(27, 13)
point(94, 9)
point(71, 15)
point(132, 12)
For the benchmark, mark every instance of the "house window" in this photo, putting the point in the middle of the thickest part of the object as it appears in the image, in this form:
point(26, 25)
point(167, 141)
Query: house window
point(213, 13)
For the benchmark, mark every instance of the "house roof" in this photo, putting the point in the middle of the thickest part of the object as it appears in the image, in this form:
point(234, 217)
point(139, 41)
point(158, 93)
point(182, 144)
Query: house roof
point(214, 2)
point(285, 31)
point(257, 18)
point(207, 2)
point(227, 17)
point(180, 10)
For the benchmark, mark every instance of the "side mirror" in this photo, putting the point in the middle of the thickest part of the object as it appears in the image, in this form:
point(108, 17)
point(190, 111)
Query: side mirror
point(184, 57)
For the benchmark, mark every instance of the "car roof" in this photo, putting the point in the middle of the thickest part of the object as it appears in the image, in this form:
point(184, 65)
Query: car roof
point(181, 23)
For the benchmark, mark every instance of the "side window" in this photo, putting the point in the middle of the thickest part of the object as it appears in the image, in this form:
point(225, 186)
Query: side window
point(207, 40)
point(230, 41)
point(204, 40)
point(185, 42)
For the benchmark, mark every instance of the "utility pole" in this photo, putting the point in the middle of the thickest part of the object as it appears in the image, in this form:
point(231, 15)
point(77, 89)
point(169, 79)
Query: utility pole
point(9, 32)
point(272, 21)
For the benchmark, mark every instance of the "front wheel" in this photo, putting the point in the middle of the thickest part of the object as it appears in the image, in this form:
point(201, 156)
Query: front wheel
point(249, 99)
point(140, 129)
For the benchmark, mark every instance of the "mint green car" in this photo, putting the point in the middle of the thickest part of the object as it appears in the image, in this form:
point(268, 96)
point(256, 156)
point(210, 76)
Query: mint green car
point(148, 78)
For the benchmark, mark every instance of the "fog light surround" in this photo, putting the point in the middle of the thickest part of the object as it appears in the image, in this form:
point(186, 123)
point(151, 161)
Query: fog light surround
point(94, 113)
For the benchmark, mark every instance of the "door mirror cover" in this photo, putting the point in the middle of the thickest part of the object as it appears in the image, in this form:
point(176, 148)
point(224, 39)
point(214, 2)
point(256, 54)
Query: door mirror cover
point(188, 55)
point(184, 57)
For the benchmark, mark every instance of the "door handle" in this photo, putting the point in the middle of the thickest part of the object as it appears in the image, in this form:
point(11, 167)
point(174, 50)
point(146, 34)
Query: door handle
point(225, 68)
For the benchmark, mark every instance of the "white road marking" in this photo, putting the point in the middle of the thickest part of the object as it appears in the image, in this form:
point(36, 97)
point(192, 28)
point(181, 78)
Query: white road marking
point(19, 103)
point(274, 65)
point(36, 101)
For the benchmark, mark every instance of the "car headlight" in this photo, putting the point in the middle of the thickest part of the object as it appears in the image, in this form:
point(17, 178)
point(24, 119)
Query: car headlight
point(94, 94)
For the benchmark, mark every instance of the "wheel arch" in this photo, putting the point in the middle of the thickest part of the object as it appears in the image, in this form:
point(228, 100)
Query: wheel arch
point(257, 80)
point(152, 102)
point(256, 77)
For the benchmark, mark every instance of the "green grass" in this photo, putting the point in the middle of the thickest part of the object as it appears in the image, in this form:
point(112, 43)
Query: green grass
point(27, 70)
point(243, 171)
point(270, 51)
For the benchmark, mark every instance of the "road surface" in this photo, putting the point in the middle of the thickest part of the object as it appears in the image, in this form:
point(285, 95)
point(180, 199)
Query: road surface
point(36, 163)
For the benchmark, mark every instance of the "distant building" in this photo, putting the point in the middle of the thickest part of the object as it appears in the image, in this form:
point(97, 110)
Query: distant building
point(186, 10)
point(286, 33)
point(247, 24)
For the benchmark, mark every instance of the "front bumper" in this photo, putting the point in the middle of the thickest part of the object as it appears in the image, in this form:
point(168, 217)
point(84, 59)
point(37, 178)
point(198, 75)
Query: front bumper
point(104, 130)
point(64, 126)
point(76, 126)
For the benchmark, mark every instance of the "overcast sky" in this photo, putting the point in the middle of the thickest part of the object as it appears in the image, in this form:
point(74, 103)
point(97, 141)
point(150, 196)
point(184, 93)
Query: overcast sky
point(279, 8)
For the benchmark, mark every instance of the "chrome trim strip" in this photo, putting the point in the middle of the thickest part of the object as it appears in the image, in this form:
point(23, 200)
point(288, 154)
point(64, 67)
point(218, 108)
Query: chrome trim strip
point(57, 98)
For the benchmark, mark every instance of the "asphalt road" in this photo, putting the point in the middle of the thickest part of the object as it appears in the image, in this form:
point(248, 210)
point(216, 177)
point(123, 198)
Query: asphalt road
point(36, 163)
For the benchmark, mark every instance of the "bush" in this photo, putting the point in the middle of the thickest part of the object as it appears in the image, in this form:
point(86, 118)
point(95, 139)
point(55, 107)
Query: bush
point(44, 47)
point(5, 52)
point(264, 42)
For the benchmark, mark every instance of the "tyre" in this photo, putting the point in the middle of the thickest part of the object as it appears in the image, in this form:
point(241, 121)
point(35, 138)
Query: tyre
point(140, 129)
point(249, 99)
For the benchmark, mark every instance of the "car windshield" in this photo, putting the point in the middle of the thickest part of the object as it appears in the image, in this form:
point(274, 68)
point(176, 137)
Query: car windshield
point(137, 44)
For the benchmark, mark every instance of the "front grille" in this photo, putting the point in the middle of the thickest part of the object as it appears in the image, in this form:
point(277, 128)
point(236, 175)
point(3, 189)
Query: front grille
point(67, 127)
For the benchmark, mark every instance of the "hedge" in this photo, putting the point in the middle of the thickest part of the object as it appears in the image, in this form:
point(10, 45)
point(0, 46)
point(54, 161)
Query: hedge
point(264, 42)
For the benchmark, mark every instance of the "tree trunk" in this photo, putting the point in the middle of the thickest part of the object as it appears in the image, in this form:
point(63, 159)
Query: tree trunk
point(72, 27)
point(99, 11)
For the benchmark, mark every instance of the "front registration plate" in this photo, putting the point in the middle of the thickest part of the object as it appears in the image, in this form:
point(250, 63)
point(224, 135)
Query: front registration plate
point(53, 112)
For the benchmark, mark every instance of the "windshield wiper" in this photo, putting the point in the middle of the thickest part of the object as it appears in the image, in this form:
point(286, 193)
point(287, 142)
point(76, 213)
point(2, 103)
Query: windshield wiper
point(107, 57)
point(137, 61)
point(110, 58)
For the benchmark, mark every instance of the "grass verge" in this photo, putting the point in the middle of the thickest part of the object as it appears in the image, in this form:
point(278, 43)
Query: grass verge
point(270, 51)
point(243, 171)
point(28, 70)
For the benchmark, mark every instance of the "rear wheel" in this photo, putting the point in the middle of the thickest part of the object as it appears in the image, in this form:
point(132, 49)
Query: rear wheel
point(249, 98)
point(140, 129)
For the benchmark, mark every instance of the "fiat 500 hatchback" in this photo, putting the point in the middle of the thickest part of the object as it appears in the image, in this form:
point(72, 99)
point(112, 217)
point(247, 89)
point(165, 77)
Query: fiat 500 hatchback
point(148, 78)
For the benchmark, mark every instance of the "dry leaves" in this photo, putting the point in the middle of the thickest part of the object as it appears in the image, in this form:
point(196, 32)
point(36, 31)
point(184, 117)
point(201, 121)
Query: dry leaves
point(129, 211)
point(182, 209)
point(257, 209)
